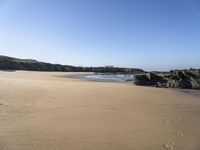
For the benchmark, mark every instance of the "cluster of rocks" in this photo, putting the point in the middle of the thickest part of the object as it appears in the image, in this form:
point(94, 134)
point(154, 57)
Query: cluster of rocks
point(185, 79)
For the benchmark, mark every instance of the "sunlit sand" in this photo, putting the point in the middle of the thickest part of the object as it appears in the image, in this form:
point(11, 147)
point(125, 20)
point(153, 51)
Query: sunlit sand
point(45, 111)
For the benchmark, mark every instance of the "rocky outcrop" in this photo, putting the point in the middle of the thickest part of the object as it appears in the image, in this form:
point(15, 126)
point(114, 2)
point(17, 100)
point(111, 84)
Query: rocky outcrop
point(10, 63)
point(185, 79)
point(149, 79)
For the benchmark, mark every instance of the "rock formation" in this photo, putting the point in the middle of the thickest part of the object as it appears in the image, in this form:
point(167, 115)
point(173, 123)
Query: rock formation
point(186, 79)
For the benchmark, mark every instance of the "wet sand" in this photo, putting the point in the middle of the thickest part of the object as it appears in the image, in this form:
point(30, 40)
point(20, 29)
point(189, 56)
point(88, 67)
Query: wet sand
point(45, 111)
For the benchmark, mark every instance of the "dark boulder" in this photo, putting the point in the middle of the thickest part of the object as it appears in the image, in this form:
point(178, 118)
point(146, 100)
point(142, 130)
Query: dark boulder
point(142, 80)
point(149, 79)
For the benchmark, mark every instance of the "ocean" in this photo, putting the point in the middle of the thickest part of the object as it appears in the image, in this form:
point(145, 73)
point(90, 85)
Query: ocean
point(104, 77)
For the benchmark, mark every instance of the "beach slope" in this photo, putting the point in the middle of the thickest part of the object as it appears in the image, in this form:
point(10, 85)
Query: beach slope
point(45, 111)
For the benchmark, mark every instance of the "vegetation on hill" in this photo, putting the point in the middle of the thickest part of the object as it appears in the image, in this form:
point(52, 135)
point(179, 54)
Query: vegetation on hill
point(10, 63)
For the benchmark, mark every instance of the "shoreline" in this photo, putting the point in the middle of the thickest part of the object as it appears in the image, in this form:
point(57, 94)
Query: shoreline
point(94, 79)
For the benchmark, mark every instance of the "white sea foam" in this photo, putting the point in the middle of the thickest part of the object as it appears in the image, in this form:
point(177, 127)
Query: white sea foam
point(110, 77)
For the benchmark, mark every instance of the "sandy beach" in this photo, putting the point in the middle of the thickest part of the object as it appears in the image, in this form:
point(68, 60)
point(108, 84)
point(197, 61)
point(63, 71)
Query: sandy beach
point(45, 111)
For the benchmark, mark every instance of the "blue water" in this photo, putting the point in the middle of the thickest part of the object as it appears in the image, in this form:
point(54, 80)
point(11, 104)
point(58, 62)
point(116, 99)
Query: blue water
point(104, 77)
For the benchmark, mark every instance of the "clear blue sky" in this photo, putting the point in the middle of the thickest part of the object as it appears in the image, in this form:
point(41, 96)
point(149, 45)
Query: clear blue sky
point(149, 34)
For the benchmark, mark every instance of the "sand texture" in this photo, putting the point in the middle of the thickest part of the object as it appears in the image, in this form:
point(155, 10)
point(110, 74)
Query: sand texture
point(43, 111)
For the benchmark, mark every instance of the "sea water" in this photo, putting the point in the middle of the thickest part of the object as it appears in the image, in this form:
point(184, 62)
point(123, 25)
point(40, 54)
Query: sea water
point(105, 77)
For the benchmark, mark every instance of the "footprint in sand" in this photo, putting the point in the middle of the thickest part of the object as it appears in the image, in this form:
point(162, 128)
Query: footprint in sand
point(168, 122)
point(179, 133)
point(169, 145)
point(179, 119)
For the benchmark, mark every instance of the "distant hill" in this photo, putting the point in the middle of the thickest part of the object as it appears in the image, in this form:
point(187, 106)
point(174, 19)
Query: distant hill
point(10, 63)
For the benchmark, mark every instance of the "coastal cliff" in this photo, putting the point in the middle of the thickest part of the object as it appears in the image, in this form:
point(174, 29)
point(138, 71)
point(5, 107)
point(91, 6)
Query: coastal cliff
point(10, 63)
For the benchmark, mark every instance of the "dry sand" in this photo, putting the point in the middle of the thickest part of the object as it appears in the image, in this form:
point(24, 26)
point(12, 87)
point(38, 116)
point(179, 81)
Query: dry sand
point(43, 111)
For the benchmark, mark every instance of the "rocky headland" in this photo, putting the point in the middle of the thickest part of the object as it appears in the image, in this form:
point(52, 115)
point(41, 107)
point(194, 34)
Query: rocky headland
point(184, 79)
point(10, 63)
